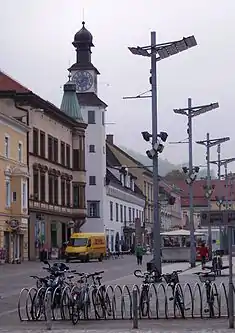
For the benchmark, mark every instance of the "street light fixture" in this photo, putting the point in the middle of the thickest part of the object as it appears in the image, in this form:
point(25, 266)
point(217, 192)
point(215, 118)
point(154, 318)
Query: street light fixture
point(191, 112)
point(208, 143)
point(163, 51)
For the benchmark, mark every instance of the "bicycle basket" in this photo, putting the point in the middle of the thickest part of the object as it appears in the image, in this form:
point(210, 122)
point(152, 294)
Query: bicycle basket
point(204, 278)
point(171, 278)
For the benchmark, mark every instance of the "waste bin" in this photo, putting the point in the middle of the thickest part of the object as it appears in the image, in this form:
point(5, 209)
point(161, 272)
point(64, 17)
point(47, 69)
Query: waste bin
point(151, 267)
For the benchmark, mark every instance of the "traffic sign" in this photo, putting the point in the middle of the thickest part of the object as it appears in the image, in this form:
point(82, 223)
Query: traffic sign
point(217, 218)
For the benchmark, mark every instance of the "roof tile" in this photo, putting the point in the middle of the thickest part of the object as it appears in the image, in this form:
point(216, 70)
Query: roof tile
point(7, 83)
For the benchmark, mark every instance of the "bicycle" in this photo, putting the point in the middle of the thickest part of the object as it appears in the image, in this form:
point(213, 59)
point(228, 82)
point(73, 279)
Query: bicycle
point(207, 278)
point(172, 279)
point(100, 299)
point(217, 262)
point(81, 297)
point(145, 296)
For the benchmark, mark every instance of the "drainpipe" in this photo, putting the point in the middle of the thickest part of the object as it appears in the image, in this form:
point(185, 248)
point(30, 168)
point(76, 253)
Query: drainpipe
point(27, 141)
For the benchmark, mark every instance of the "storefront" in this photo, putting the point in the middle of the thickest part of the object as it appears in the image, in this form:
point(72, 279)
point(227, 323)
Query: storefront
point(14, 240)
point(48, 233)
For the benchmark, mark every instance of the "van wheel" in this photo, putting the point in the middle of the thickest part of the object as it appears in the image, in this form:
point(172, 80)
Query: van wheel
point(87, 258)
point(101, 258)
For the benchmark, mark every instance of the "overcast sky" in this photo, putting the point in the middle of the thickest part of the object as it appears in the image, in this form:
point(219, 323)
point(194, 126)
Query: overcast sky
point(36, 49)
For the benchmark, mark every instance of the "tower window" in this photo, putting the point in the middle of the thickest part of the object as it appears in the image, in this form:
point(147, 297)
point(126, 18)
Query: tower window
point(91, 148)
point(102, 115)
point(91, 117)
point(92, 180)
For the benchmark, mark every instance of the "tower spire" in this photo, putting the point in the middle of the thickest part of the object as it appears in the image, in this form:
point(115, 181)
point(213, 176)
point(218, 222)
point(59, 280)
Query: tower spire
point(70, 104)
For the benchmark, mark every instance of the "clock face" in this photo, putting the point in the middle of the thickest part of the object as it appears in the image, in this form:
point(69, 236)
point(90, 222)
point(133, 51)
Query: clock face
point(83, 80)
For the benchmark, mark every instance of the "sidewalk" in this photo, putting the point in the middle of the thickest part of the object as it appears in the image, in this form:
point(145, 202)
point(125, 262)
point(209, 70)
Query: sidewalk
point(209, 263)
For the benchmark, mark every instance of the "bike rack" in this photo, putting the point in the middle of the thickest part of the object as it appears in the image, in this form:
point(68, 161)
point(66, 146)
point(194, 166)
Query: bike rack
point(162, 304)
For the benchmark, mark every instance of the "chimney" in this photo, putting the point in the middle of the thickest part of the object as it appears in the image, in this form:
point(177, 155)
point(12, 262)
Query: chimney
point(109, 138)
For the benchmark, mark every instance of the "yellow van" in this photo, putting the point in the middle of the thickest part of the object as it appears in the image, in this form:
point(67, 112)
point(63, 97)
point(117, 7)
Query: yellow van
point(86, 246)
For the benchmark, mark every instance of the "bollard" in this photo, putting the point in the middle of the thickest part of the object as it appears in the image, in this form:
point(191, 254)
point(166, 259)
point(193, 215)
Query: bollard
point(48, 311)
point(135, 308)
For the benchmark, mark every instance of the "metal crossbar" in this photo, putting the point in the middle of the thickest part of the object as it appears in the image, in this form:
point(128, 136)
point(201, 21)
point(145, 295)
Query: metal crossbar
point(160, 303)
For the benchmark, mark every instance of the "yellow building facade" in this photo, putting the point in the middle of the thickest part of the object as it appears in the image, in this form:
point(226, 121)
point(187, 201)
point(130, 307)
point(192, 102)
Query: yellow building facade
point(14, 190)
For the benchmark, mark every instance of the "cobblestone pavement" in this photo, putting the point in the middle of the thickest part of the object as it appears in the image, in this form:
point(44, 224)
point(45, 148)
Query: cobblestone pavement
point(177, 326)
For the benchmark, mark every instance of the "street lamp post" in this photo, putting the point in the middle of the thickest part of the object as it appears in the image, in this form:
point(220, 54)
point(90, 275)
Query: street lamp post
point(191, 112)
point(209, 143)
point(158, 52)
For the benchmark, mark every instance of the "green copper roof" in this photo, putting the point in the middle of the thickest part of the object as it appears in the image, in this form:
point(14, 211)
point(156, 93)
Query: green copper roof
point(70, 104)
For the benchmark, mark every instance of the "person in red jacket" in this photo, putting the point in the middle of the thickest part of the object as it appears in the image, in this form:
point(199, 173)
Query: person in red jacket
point(203, 253)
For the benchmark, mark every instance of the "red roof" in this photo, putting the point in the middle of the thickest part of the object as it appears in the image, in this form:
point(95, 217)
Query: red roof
point(7, 84)
point(199, 192)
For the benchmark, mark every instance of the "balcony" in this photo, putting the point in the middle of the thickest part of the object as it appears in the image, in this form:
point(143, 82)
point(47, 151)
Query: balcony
point(36, 205)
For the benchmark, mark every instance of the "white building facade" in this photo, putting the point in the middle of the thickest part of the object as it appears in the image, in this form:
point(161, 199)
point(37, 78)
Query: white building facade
point(84, 75)
point(124, 206)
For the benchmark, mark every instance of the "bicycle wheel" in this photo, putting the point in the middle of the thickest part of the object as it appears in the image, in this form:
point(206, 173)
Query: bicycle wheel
point(75, 313)
point(66, 304)
point(144, 303)
point(107, 304)
point(179, 301)
point(38, 304)
point(98, 304)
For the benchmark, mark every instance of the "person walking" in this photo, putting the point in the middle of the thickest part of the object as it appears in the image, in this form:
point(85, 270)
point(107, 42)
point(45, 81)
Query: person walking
point(203, 254)
point(139, 254)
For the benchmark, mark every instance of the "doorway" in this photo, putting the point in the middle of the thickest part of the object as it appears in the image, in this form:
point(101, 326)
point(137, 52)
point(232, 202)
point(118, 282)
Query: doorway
point(7, 245)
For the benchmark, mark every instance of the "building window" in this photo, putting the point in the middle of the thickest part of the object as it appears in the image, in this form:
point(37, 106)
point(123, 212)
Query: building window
point(42, 144)
point(124, 213)
point(91, 117)
point(76, 164)
point(117, 211)
point(68, 193)
point(62, 153)
point(14, 196)
point(92, 180)
point(102, 115)
point(35, 141)
point(51, 189)
point(20, 151)
point(145, 190)
point(24, 196)
point(133, 214)
point(129, 214)
point(42, 187)
point(35, 184)
point(121, 213)
point(56, 191)
point(91, 148)
point(111, 210)
point(7, 144)
point(8, 192)
point(93, 208)
point(50, 148)
point(68, 156)
point(62, 192)
point(76, 196)
point(55, 150)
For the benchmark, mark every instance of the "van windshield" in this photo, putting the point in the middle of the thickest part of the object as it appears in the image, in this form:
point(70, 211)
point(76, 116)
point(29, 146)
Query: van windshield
point(78, 242)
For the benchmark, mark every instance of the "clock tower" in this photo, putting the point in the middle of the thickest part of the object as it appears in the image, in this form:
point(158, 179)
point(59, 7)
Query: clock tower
point(84, 76)
point(84, 73)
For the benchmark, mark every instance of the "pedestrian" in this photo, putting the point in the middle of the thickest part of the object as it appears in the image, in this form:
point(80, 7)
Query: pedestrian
point(203, 254)
point(139, 254)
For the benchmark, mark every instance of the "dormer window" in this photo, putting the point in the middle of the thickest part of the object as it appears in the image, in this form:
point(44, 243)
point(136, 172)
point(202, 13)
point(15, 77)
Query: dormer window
point(128, 180)
point(132, 185)
point(122, 179)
